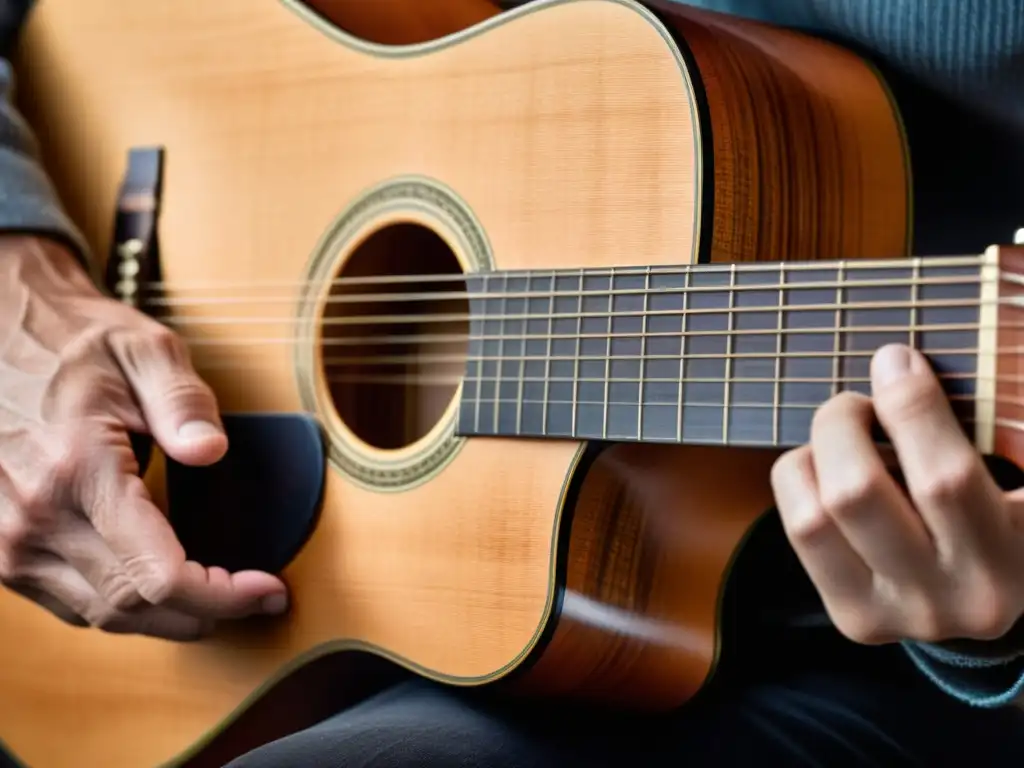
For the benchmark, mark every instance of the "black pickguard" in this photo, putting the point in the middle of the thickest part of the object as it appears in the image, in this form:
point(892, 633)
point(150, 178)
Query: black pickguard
point(256, 507)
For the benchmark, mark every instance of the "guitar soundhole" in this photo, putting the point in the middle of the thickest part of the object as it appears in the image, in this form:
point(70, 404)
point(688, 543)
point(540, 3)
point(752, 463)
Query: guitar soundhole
point(395, 335)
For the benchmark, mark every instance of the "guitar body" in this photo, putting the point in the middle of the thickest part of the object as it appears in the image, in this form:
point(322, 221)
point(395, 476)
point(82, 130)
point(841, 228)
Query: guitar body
point(565, 134)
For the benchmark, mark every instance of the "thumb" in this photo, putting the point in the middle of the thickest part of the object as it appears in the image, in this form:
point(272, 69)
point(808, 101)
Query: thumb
point(179, 407)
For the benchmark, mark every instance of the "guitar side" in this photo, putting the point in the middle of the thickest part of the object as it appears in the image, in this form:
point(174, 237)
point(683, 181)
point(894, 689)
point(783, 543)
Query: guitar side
point(567, 153)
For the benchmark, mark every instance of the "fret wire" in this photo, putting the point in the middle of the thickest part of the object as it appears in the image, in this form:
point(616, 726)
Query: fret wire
point(776, 389)
point(480, 371)
point(607, 364)
point(643, 352)
point(837, 337)
point(576, 364)
point(501, 353)
point(912, 336)
point(547, 364)
point(521, 384)
point(683, 346)
point(727, 392)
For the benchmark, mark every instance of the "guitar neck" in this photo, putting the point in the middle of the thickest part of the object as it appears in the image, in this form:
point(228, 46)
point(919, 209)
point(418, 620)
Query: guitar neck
point(716, 354)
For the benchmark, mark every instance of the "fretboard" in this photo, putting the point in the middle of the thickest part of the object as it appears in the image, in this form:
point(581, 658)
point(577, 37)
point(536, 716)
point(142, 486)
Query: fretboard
point(715, 354)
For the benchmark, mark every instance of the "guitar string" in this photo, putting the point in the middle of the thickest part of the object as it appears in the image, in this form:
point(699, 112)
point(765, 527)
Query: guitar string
point(454, 380)
point(583, 292)
point(963, 260)
point(731, 406)
point(436, 318)
point(612, 314)
point(442, 338)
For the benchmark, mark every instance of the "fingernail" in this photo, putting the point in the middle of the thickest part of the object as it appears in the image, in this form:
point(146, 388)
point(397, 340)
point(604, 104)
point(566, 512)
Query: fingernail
point(891, 364)
point(198, 430)
point(274, 604)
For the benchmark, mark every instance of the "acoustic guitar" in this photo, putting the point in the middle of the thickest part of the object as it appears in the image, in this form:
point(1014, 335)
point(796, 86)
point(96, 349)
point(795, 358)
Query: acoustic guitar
point(509, 313)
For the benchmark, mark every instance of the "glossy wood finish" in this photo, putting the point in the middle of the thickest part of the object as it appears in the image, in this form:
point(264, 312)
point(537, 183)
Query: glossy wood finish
point(1003, 348)
point(572, 133)
point(654, 531)
point(403, 22)
point(804, 137)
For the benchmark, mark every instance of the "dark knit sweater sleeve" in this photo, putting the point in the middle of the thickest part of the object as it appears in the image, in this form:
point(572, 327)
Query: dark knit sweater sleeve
point(28, 201)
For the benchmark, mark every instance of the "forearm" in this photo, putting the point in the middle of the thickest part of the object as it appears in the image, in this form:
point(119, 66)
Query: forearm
point(28, 201)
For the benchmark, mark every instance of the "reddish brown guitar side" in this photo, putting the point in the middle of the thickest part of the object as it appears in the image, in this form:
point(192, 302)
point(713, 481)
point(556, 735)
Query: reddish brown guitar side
point(580, 133)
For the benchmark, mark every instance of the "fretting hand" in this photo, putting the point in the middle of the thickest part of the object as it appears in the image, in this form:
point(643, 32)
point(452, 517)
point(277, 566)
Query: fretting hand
point(79, 533)
point(941, 560)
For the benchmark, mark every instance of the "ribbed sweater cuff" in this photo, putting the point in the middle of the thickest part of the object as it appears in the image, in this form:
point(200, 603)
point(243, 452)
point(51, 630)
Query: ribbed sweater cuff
point(29, 204)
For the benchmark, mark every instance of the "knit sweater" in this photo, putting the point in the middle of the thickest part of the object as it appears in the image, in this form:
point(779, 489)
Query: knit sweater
point(956, 68)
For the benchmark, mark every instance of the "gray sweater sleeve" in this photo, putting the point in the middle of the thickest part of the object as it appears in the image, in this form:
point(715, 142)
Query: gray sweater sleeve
point(28, 201)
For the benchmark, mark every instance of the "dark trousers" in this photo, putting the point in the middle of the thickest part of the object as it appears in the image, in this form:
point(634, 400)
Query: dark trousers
point(792, 693)
point(828, 718)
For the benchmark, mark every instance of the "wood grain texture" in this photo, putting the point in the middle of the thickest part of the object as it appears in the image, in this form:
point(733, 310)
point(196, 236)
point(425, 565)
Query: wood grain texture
point(803, 137)
point(573, 135)
point(654, 531)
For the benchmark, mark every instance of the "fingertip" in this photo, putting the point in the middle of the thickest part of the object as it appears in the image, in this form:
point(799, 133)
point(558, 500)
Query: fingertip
point(270, 593)
point(197, 444)
point(274, 605)
point(893, 362)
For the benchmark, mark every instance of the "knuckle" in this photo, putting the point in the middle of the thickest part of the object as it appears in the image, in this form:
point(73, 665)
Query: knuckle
point(860, 624)
point(804, 518)
point(68, 455)
point(809, 527)
point(152, 350)
point(119, 592)
point(949, 483)
point(36, 497)
point(62, 456)
point(841, 407)
point(159, 582)
point(988, 614)
point(853, 496)
point(16, 537)
point(188, 391)
point(789, 467)
point(927, 622)
point(167, 343)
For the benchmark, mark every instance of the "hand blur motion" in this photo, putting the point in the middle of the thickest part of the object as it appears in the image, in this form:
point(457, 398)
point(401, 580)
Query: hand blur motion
point(942, 559)
point(79, 533)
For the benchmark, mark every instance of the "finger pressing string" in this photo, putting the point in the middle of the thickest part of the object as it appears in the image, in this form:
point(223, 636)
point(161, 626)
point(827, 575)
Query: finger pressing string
point(943, 471)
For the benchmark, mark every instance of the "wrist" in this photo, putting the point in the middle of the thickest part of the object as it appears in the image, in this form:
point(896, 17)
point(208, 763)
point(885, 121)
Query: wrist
point(35, 257)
